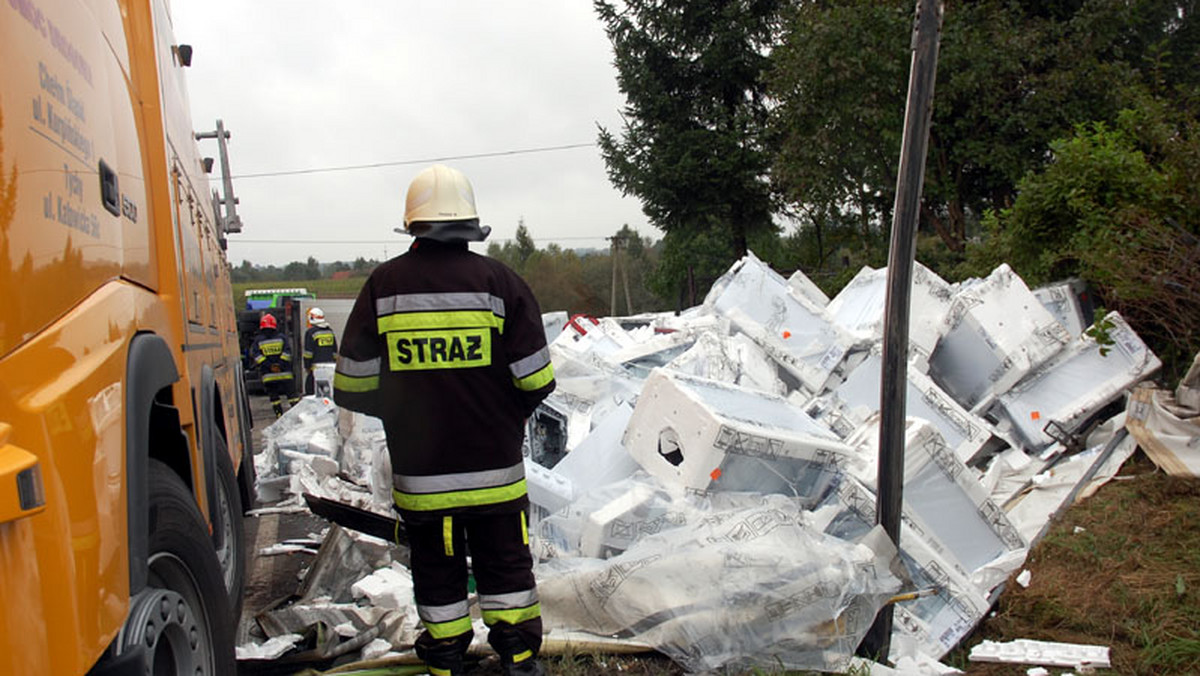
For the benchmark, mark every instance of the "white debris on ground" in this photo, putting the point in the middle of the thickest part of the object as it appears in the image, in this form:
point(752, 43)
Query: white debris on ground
point(704, 482)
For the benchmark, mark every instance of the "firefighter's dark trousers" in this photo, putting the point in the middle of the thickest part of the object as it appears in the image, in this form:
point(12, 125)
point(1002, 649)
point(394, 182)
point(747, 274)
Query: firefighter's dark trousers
point(279, 391)
point(503, 570)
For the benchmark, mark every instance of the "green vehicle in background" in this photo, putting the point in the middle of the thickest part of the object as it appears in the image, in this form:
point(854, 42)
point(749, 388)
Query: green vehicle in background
point(261, 299)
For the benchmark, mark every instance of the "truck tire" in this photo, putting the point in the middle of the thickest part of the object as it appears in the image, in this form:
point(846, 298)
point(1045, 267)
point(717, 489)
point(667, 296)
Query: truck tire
point(229, 524)
point(180, 622)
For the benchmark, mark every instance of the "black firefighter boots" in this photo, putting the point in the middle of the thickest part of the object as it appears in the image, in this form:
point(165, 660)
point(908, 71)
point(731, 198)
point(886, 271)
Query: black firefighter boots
point(443, 657)
point(516, 659)
point(530, 666)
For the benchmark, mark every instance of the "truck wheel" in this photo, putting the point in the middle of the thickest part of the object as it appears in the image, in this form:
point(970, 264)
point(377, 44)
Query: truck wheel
point(181, 621)
point(229, 525)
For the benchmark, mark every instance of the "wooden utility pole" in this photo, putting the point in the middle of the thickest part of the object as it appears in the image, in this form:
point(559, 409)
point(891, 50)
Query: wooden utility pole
point(619, 243)
point(890, 478)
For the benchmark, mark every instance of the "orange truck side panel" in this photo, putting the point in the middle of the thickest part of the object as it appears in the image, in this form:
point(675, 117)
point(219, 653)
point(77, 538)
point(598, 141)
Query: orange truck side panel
point(90, 87)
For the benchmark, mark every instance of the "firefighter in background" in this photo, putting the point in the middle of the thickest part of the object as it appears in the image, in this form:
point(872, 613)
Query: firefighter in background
point(447, 348)
point(320, 346)
point(271, 354)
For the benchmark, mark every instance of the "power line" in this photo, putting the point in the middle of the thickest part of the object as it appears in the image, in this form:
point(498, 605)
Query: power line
point(397, 163)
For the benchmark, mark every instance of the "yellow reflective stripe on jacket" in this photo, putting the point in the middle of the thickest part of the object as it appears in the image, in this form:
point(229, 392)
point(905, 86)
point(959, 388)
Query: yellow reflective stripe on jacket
point(428, 502)
point(537, 380)
point(453, 319)
point(353, 375)
point(272, 377)
point(346, 383)
point(533, 372)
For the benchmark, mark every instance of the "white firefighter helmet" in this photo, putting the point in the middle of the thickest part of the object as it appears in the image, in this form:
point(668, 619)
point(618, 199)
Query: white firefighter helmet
point(441, 205)
point(316, 316)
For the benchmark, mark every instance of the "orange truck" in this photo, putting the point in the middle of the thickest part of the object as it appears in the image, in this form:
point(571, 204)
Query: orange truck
point(125, 454)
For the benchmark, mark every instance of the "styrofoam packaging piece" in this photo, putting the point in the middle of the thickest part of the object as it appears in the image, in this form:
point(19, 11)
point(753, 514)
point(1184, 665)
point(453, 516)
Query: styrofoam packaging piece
point(1062, 301)
point(794, 331)
point(610, 529)
point(801, 285)
point(603, 336)
point(390, 588)
point(736, 359)
point(548, 489)
point(944, 497)
point(935, 623)
point(1076, 384)
point(1048, 653)
point(706, 435)
point(995, 332)
point(657, 350)
point(600, 458)
point(859, 308)
point(854, 401)
point(553, 324)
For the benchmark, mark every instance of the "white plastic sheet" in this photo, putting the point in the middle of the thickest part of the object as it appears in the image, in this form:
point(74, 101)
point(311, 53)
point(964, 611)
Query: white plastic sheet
point(717, 582)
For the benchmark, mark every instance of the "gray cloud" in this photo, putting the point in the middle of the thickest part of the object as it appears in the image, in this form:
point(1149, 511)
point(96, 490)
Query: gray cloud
point(303, 84)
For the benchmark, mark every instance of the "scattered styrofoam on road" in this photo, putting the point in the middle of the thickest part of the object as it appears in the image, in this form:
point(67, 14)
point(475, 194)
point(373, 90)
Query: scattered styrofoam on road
point(390, 588)
point(996, 332)
point(273, 648)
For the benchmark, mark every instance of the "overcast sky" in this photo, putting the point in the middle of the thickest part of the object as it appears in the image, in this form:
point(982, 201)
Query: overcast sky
point(304, 85)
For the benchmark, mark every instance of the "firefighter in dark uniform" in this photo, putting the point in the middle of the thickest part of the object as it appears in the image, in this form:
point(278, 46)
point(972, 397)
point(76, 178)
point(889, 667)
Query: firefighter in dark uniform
point(447, 348)
point(271, 354)
point(320, 346)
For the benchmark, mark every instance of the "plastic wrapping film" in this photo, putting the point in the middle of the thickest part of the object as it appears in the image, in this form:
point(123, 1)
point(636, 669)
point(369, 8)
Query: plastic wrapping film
point(1076, 384)
point(935, 623)
point(735, 359)
point(714, 581)
point(995, 332)
point(795, 332)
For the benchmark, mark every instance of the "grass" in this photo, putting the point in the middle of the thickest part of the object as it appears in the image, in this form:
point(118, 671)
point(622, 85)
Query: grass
point(1121, 569)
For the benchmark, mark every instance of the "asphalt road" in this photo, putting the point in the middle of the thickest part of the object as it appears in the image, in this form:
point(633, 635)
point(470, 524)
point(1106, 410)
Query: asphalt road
point(271, 580)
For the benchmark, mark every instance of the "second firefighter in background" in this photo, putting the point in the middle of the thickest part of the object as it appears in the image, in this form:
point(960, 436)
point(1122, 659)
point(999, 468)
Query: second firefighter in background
point(271, 355)
point(320, 346)
point(447, 348)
